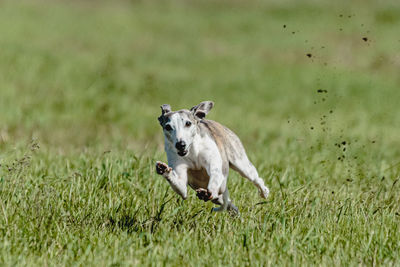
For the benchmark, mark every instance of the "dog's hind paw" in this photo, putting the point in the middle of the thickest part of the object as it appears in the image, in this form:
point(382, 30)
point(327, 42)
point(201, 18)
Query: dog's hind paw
point(162, 168)
point(264, 192)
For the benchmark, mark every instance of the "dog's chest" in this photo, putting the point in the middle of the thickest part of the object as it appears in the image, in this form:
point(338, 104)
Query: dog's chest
point(198, 178)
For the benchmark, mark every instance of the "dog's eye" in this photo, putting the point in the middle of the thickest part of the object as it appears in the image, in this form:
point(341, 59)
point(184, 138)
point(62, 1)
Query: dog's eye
point(168, 127)
point(188, 123)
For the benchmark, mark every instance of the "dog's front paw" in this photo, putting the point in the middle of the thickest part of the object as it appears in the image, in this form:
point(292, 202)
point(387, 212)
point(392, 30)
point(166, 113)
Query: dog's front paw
point(162, 168)
point(213, 193)
point(203, 194)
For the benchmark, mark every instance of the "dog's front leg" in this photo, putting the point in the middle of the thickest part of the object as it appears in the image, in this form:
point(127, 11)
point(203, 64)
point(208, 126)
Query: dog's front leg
point(216, 180)
point(176, 177)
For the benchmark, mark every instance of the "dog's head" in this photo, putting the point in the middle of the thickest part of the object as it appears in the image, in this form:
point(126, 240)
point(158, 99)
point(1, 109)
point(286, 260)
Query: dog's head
point(180, 127)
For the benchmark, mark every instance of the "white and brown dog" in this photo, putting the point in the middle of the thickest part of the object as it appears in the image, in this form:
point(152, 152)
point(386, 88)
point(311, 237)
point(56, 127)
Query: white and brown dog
point(200, 153)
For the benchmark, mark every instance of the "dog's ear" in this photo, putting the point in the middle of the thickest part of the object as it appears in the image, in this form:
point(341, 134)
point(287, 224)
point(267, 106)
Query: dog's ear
point(165, 108)
point(202, 109)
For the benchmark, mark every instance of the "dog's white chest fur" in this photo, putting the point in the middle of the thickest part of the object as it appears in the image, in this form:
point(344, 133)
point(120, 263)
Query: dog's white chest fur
point(202, 151)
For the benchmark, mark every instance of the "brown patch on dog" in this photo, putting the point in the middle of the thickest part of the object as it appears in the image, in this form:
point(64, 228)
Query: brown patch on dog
point(227, 142)
point(198, 178)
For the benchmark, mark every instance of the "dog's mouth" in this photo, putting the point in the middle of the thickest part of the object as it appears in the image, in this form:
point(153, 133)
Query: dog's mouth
point(182, 153)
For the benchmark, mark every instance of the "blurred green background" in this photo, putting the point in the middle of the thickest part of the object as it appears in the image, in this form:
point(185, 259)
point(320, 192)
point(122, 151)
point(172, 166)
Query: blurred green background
point(93, 73)
point(311, 88)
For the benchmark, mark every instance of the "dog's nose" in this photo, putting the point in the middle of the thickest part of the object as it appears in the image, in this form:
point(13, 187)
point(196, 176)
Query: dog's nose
point(181, 145)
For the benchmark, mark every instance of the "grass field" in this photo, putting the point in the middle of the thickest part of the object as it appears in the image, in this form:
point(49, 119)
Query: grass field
point(311, 87)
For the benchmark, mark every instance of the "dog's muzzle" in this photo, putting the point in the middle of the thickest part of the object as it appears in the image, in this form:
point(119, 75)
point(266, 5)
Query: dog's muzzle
point(181, 147)
point(182, 153)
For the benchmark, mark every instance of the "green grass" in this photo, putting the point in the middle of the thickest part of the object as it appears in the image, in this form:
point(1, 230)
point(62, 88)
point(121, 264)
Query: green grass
point(81, 83)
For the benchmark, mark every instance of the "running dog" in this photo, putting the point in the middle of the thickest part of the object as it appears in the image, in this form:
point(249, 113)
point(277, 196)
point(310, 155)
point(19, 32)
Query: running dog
point(200, 153)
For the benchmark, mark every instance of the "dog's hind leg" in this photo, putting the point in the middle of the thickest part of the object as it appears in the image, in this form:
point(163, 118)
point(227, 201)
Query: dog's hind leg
point(226, 203)
point(223, 201)
point(246, 169)
point(233, 208)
